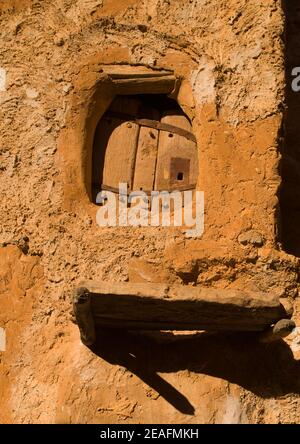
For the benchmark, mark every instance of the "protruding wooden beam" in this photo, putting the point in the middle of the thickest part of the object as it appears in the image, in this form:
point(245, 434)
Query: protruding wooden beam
point(83, 315)
point(162, 307)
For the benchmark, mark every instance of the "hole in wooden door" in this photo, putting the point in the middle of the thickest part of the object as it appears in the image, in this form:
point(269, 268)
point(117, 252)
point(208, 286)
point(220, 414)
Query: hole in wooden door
point(145, 141)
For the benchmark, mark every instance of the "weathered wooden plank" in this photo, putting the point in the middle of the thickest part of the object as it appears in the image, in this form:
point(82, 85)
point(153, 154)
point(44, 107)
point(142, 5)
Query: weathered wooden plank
point(119, 158)
point(145, 85)
point(177, 160)
point(111, 162)
point(140, 75)
point(146, 156)
point(131, 71)
point(119, 148)
point(160, 307)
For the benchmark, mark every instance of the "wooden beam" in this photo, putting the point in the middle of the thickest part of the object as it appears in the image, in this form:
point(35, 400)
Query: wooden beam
point(162, 307)
point(83, 315)
point(145, 85)
point(132, 71)
point(140, 75)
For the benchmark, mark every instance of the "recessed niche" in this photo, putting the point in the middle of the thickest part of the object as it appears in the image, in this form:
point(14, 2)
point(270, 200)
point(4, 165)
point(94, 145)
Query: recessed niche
point(147, 142)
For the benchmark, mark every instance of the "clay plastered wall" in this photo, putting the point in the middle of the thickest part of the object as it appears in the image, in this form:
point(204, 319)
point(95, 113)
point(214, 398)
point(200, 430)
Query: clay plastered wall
point(230, 56)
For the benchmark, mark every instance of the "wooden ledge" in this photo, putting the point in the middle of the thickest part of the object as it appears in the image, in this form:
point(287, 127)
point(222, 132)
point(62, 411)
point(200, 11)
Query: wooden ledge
point(161, 307)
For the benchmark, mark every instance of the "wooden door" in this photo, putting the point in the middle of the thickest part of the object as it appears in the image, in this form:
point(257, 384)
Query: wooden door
point(137, 146)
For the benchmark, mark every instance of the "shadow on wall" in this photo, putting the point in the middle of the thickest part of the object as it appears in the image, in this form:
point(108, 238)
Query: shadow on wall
point(266, 370)
point(290, 166)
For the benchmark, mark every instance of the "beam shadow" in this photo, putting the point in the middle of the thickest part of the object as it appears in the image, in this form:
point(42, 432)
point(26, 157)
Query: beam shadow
point(265, 370)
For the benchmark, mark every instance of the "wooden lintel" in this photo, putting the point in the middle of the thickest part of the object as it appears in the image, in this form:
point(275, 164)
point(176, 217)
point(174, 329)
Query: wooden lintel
point(144, 85)
point(142, 75)
point(131, 71)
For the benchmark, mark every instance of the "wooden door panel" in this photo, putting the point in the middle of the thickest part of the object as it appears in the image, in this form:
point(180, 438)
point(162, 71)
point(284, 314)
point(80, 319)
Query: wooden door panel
point(146, 156)
point(116, 141)
point(177, 160)
point(144, 174)
point(120, 153)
